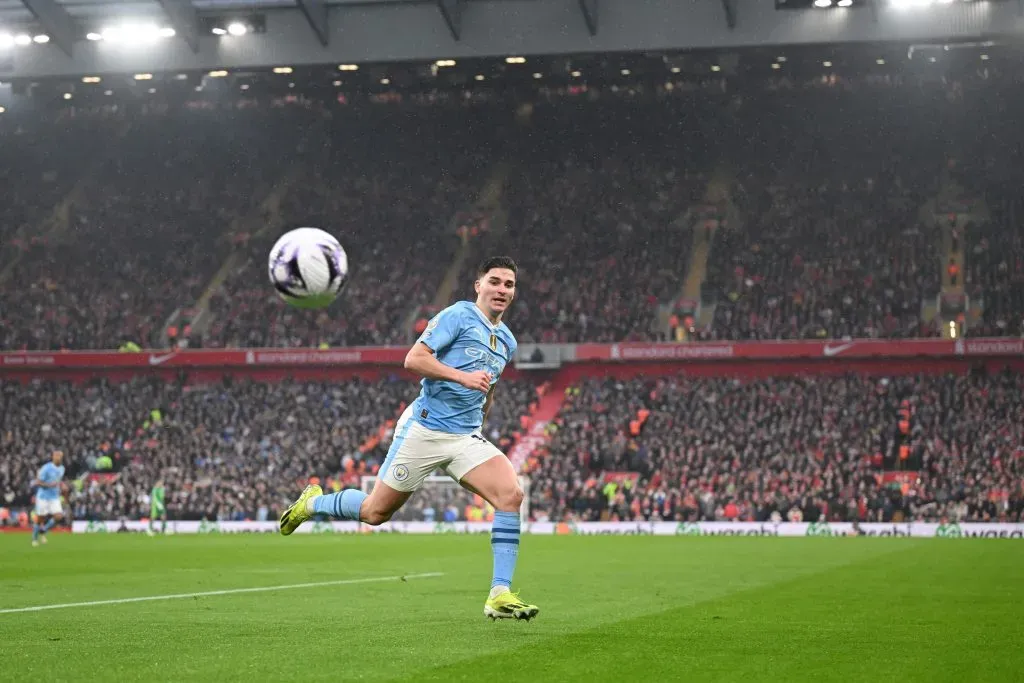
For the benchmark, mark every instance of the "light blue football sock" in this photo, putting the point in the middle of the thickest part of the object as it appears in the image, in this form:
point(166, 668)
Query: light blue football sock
point(50, 523)
point(504, 547)
point(35, 532)
point(342, 505)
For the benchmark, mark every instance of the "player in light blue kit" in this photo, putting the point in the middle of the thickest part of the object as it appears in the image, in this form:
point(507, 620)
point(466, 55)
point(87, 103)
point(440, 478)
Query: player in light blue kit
point(460, 356)
point(47, 484)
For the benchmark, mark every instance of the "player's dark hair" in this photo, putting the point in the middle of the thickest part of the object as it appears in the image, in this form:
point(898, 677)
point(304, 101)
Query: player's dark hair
point(497, 262)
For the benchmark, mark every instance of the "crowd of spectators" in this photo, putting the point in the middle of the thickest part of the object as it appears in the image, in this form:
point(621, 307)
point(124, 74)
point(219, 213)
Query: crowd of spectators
point(169, 195)
point(40, 163)
point(145, 232)
point(388, 188)
point(994, 246)
point(671, 448)
point(796, 449)
point(232, 450)
point(988, 167)
point(824, 262)
point(829, 243)
point(995, 272)
point(593, 201)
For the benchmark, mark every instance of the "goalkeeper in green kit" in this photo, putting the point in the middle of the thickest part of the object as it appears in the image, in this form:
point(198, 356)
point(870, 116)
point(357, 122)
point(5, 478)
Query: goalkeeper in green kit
point(157, 508)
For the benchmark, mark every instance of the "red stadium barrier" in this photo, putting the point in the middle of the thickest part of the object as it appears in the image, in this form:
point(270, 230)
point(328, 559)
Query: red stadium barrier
point(787, 350)
point(203, 358)
point(623, 352)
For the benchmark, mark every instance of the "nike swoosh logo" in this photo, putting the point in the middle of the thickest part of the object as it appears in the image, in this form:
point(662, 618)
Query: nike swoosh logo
point(160, 360)
point(835, 350)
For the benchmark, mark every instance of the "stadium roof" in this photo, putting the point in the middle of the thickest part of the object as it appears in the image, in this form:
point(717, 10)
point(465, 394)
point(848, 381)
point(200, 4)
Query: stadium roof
point(193, 35)
point(17, 11)
point(14, 12)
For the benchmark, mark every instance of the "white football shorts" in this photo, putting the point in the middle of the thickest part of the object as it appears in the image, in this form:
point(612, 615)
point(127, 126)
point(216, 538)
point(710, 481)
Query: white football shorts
point(417, 451)
point(48, 507)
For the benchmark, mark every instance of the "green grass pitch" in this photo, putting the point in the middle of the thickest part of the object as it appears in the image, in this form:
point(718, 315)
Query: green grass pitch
point(612, 609)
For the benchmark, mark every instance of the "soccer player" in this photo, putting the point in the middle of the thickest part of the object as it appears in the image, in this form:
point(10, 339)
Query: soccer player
point(460, 356)
point(47, 484)
point(157, 508)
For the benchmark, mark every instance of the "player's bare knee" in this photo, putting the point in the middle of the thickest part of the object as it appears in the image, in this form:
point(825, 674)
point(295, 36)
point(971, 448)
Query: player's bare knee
point(510, 499)
point(375, 517)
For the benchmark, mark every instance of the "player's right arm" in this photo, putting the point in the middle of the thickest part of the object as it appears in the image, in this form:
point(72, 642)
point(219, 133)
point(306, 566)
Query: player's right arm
point(440, 333)
point(43, 481)
point(421, 360)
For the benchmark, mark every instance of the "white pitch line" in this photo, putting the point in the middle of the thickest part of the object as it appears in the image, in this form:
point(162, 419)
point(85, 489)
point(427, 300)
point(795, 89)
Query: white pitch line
point(232, 591)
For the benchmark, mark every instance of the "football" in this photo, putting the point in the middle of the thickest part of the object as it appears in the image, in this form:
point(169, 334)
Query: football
point(308, 267)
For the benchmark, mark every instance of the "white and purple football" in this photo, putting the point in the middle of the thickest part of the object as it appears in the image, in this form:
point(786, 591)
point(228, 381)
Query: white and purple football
point(308, 267)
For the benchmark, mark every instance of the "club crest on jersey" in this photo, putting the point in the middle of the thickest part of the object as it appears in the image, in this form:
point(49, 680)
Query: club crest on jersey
point(491, 341)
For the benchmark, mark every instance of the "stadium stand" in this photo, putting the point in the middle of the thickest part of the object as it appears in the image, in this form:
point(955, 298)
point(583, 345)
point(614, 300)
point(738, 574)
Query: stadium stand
point(596, 202)
point(832, 245)
point(390, 200)
point(795, 449)
point(821, 263)
point(593, 266)
point(672, 447)
point(227, 451)
point(596, 198)
point(995, 272)
point(143, 238)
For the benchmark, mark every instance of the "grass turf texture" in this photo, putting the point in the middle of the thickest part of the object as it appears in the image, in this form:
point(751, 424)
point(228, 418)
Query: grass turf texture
point(612, 609)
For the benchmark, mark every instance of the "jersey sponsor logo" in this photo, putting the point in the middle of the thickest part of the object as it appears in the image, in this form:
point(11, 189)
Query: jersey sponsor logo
point(486, 361)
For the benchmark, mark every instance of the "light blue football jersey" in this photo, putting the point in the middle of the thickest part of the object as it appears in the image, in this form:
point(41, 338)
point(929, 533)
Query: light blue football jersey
point(49, 473)
point(461, 337)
